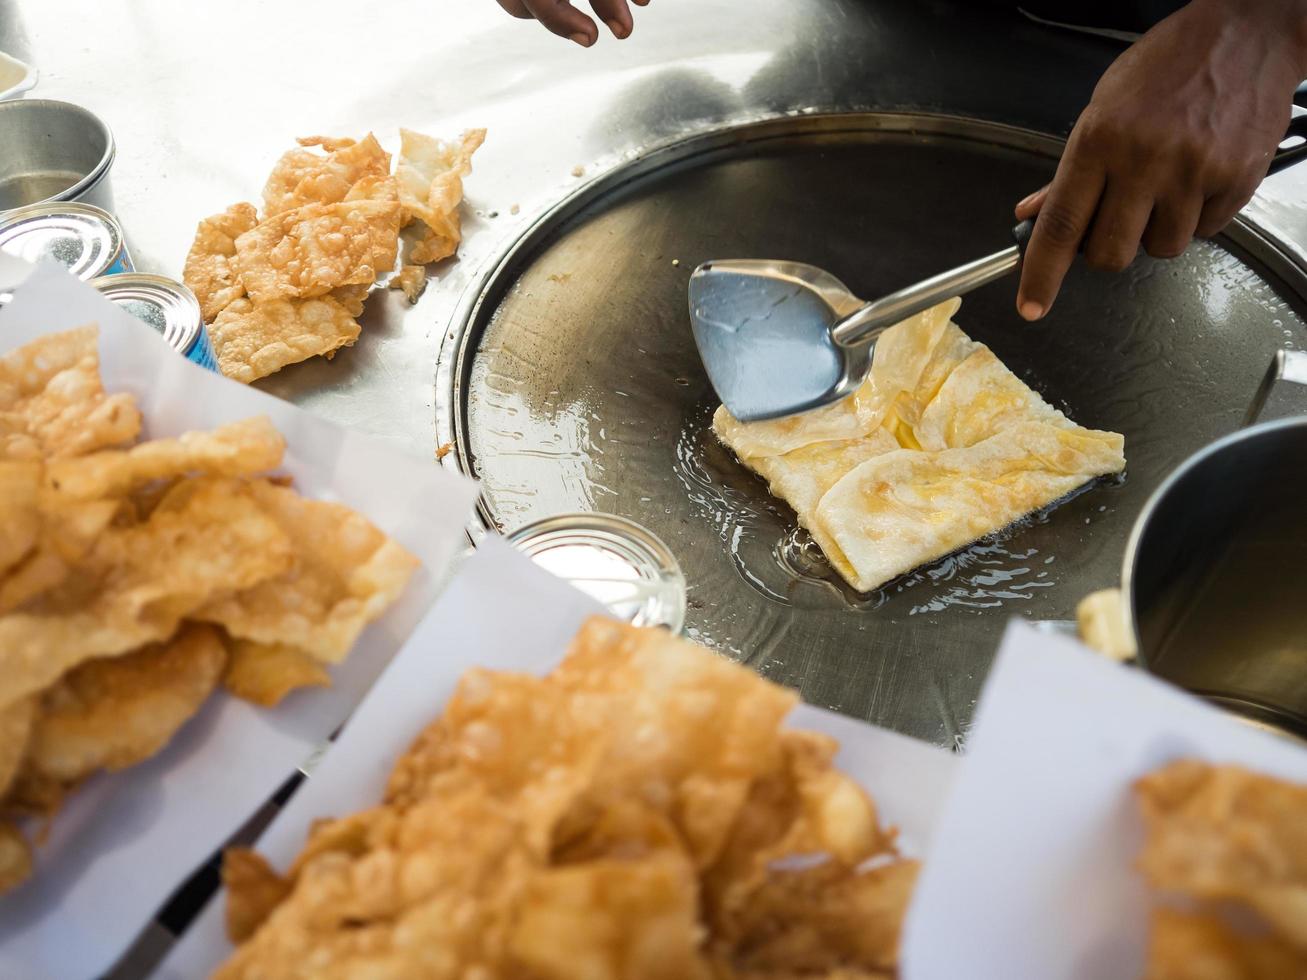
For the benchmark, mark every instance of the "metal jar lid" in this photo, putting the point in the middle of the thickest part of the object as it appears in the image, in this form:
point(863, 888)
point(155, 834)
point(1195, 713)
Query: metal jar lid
point(81, 237)
point(614, 560)
point(166, 305)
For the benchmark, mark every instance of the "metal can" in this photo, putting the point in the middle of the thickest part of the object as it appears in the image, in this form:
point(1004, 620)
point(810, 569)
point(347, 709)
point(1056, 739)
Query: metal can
point(167, 306)
point(614, 560)
point(53, 151)
point(87, 240)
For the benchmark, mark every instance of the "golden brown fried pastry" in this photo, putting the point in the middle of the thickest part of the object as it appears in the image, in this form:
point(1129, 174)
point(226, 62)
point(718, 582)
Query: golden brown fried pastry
point(634, 814)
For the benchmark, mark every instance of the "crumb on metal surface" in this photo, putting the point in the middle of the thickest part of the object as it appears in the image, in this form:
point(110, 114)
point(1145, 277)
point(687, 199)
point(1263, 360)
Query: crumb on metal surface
point(412, 279)
point(578, 171)
point(514, 209)
point(444, 450)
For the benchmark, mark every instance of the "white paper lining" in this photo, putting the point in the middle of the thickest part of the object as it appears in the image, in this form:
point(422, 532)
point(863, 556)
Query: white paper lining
point(1031, 873)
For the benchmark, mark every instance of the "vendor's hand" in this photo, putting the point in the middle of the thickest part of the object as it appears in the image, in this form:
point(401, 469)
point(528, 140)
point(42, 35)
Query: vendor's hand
point(566, 21)
point(1178, 134)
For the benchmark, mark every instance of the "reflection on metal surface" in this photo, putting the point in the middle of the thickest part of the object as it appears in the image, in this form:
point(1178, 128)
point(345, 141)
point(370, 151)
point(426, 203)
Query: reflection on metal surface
point(581, 384)
point(622, 565)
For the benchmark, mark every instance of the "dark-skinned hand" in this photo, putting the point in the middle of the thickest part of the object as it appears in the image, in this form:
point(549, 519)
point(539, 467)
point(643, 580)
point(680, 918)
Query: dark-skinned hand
point(565, 20)
point(1178, 134)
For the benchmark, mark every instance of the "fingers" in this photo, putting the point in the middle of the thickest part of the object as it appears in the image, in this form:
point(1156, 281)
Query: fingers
point(516, 7)
point(1123, 214)
point(560, 17)
point(1029, 205)
point(1063, 220)
point(616, 14)
point(563, 19)
point(1220, 209)
point(1172, 226)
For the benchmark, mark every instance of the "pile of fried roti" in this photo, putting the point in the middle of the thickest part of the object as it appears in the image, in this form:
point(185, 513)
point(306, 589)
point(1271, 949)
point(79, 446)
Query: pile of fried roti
point(1231, 845)
point(286, 286)
point(135, 577)
point(640, 812)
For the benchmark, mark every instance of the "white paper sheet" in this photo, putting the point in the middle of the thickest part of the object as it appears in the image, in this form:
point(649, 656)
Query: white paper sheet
point(503, 612)
point(125, 841)
point(1031, 873)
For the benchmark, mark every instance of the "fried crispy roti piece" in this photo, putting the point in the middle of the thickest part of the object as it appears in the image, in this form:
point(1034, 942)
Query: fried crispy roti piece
point(241, 448)
point(344, 573)
point(291, 285)
point(207, 537)
point(254, 889)
point(20, 510)
point(252, 340)
point(78, 497)
point(110, 552)
point(303, 177)
point(314, 249)
point(16, 723)
point(264, 673)
point(52, 403)
point(634, 814)
point(113, 713)
point(210, 272)
point(384, 190)
point(412, 279)
point(1222, 833)
point(1200, 946)
point(817, 918)
point(430, 174)
point(15, 856)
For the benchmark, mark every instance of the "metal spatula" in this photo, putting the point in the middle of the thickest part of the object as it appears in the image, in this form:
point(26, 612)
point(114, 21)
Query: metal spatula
point(779, 338)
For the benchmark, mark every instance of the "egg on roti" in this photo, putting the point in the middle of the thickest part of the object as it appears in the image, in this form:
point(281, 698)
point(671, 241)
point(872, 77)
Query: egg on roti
point(940, 446)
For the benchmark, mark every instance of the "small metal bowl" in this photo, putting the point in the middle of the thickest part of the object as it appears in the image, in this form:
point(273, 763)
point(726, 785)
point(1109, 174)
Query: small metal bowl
point(614, 560)
point(53, 151)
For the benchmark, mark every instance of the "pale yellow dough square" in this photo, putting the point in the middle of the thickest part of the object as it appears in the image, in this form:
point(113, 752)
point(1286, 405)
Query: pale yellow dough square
point(940, 446)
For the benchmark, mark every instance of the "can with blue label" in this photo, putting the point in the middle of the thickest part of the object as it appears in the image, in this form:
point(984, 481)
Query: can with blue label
point(85, 239)
point(167, 306)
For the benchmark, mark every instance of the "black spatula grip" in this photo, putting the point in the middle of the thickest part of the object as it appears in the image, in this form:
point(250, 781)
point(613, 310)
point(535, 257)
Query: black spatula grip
point(1022, 232)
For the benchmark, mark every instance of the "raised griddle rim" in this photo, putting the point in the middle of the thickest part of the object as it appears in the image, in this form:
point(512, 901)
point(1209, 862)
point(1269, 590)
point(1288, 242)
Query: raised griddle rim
point(1266, 254)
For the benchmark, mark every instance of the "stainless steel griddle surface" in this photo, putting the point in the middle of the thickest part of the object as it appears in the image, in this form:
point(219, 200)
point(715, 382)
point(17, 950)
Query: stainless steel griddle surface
point(576, 386)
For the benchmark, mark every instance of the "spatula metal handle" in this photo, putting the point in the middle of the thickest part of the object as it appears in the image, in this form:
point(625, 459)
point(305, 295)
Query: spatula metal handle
point(867, 323)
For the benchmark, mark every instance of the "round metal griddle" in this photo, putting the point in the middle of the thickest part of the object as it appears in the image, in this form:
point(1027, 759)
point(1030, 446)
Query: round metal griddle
point(573, 384)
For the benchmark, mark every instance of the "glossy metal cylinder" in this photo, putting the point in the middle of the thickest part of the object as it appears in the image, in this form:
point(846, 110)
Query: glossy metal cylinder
point(1216, 575)
point(53, 151)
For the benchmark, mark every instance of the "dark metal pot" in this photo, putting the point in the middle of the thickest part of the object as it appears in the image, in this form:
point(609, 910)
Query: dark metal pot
point(1214, 584)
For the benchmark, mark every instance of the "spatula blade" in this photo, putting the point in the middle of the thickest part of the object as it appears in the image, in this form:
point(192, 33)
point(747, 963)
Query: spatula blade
point(765, 339)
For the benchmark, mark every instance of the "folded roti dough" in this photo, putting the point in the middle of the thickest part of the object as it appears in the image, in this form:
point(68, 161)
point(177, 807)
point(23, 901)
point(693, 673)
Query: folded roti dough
point(940, 446)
